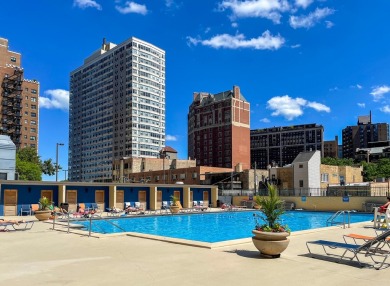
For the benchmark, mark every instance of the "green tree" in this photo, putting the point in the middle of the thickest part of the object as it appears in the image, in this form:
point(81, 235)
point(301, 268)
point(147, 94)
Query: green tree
point(30, 167)
point(383, 168)
point(370, 171)
point(337, 161)
point(28, 171)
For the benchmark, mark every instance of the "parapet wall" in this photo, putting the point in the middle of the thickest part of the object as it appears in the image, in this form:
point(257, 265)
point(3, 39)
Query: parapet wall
point(325, 203)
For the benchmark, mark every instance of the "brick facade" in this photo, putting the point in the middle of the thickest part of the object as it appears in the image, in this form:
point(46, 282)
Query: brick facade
point(19, 109)
point(218, 129)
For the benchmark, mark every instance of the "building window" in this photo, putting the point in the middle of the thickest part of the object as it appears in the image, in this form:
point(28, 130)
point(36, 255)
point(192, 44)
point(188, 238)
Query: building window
point(33, 122)
point(33, 106)
point(301, 183)
point(324, 177)
point(33, 114)
point(33, 130)
point(34, 91)
point(32, 138)
point(13, 59)
point(33, 99)
point(300, 166)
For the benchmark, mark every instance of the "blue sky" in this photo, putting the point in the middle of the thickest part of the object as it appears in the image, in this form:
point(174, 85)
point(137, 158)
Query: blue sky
point(296, 61)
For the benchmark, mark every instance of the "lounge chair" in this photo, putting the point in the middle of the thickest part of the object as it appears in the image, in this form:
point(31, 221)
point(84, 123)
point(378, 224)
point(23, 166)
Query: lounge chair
point(60, 213)
point(372, 248)
point(95, 210)
point(25, 209)
point(114, 211)
point(358, 237)
point(381, 220)
point(165, 206)
point(16, 225)
point(130, 208)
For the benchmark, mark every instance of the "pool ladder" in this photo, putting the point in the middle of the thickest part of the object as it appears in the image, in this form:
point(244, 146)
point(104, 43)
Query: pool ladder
point(90, 219)
point(346, 219)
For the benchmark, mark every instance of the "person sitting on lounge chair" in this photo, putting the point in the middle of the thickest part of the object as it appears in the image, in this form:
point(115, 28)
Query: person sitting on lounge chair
point(383, 208)
point(130, 209)
point(2, 220)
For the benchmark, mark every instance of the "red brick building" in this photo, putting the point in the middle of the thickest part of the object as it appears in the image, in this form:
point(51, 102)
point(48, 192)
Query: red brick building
point(19, 109)
point(218, 129)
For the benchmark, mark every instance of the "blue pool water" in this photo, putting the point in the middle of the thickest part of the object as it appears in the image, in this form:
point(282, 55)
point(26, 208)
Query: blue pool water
point(213, 227)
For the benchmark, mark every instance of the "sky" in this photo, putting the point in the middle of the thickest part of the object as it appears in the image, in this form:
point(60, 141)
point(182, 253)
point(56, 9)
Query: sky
point(295, 61)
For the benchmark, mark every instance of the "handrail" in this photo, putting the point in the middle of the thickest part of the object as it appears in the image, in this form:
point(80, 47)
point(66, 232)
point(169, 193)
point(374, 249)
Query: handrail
point(102, 218)
point(91, 218)
point(331, 219)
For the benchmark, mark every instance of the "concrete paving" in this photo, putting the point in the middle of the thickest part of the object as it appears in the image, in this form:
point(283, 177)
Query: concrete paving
point(42, 256)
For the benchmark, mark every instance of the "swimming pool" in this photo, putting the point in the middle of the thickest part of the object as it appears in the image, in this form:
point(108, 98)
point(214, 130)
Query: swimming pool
point(212, 227)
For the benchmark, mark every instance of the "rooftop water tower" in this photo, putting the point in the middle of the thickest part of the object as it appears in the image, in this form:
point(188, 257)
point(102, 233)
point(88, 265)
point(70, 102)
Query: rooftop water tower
point(7, 158)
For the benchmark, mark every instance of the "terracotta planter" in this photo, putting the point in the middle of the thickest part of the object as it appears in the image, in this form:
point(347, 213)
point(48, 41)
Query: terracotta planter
point(270, 243)
point(42, 215)
point(174, 209)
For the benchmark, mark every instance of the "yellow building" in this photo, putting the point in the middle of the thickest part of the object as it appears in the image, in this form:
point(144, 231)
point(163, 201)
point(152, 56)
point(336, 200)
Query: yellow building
point(340, 175)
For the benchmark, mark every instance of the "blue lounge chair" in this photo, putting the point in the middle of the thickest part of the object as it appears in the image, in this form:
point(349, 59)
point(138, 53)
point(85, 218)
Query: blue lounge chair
point(372, 248)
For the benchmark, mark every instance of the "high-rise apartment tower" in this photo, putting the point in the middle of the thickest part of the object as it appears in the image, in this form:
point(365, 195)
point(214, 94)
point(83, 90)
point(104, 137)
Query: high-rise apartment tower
point(19, 109)
point(117, 108)
point(218, 129)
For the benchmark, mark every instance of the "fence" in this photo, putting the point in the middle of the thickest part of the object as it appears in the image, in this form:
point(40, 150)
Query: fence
point(342, 191)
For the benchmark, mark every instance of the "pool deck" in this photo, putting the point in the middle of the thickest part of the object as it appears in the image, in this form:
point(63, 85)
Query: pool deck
point(47, 257)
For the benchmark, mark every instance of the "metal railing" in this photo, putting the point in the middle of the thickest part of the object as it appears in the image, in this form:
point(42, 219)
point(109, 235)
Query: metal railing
point(91, 218)
point(342, 191)
point(332, 220)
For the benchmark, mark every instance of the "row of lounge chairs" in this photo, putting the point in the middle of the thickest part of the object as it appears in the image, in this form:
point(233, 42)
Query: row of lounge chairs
point(135, 208)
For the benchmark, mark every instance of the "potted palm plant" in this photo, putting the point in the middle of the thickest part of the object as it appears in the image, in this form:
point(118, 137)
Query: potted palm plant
point(44, 211)
point(270, 236)
point(174, 207)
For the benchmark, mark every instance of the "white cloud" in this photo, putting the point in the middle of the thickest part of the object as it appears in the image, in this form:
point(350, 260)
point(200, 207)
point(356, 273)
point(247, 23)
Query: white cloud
point(265, 42)
point(303, 3)
point(265, 120)
point(132, 7)
point(171, 138)
point(56, 99)
point(318, 106)
point(269, 9)
point(169, 3)
point(296, 46)
point(234, 25)
point(310, 20)
point(385, 109)
point(361, 104)
point(291, 108)
point(379, 91)
point(86, 4)
point(329, 24)
point(334, 88)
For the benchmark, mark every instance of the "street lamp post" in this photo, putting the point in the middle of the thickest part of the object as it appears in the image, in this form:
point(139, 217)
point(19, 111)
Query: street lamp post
point(65, 173)
point(58, 144)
